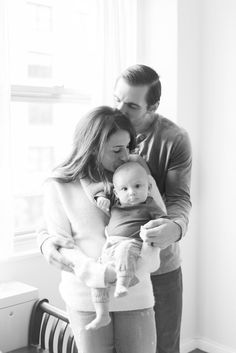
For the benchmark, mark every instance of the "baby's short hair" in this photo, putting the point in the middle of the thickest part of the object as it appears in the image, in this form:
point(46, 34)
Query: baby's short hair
point(128, 166)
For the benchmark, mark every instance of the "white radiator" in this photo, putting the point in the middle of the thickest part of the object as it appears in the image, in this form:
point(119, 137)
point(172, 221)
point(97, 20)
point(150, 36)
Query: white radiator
point(16, 301)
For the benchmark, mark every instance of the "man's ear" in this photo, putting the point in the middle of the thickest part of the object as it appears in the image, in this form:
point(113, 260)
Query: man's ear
point(153, 107)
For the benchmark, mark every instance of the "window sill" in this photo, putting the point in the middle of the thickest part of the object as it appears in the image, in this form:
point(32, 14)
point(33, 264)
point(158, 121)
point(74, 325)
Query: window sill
point(24, 255)
point(25, 243)
point(24, 247)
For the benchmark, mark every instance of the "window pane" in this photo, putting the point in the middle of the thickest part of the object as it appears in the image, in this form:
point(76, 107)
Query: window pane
point(41, 137)
point(39, 65)
point(51, 55)
point(52, 43)
point(40, 114)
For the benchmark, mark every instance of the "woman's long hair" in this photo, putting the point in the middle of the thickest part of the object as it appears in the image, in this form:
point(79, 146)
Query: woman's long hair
point(91, 134)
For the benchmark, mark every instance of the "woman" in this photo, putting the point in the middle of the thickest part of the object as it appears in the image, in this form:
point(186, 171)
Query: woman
point(102, 142)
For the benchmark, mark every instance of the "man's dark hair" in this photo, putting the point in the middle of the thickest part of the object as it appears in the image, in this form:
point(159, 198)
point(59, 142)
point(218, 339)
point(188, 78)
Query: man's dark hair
point(138, 75)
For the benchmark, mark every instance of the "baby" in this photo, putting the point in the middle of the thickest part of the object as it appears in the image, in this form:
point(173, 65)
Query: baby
point(133, 208)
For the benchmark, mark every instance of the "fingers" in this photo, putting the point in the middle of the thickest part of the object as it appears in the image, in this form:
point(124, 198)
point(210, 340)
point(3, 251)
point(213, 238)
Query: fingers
point(50, 249)
point(155, 223)
point(63, 242)
point(153, 236)
point(60, 261)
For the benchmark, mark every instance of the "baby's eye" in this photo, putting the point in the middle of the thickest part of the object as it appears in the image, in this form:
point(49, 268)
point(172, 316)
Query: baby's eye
point(124, 189)
point(137, 186)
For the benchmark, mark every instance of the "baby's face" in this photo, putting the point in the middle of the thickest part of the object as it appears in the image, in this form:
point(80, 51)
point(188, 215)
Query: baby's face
point(131, 187)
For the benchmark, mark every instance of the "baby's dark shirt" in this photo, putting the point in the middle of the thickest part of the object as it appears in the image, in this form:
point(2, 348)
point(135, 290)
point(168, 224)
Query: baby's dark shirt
point(126, 220)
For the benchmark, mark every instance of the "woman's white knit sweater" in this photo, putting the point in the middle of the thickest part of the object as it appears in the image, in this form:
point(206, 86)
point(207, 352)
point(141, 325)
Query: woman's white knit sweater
point(70, 212)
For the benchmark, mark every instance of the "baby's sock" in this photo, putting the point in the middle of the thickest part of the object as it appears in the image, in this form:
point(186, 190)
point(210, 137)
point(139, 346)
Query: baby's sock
point(99, 321)
point(120, 291)
point(102, 316)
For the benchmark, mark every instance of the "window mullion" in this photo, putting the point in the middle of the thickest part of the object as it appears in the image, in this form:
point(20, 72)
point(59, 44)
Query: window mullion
point(52, 94)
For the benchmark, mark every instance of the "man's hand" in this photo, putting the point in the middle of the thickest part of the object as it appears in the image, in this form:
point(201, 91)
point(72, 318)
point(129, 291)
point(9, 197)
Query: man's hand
point(160, 232)
point(50, 249)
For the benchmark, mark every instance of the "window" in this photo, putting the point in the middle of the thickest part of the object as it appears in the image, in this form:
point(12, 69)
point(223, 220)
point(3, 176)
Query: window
point(60, 58)
point(49, 92)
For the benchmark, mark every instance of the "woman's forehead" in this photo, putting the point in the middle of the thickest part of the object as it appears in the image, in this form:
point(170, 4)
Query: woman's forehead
point(119, 138)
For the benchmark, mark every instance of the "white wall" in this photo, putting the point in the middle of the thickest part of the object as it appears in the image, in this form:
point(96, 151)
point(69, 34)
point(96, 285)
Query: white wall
point(188, 111)
point(218, 174)
point(206, 105)
point(157, 47)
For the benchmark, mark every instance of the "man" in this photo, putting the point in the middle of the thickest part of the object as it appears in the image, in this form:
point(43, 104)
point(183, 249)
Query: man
point(166, 148)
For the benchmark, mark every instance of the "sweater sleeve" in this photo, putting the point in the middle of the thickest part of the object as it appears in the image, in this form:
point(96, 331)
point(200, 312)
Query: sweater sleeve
point(58, 225)
point(155, 193)
point(56, 220)
point(177, 185)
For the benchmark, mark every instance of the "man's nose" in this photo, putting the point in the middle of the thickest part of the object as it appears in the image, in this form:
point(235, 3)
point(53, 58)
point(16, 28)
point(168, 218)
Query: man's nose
point(121, 106)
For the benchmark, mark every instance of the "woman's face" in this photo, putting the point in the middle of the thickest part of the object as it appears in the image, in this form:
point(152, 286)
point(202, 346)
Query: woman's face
point(116, 151)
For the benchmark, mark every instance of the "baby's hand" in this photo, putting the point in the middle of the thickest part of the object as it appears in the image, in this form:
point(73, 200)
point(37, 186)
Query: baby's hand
point(104, 204)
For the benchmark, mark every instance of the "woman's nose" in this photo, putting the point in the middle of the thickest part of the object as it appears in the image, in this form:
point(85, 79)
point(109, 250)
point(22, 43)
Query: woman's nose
point(124, 155)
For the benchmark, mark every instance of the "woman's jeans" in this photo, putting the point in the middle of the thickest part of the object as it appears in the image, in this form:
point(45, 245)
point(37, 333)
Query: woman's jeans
point(129, 332)
point(168, 290)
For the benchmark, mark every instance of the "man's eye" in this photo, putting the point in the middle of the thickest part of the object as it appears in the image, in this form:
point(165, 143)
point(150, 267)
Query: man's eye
point(134, 107)
point(116, 99)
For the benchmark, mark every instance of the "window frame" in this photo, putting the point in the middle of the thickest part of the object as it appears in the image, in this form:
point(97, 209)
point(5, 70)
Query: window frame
point(25, 241)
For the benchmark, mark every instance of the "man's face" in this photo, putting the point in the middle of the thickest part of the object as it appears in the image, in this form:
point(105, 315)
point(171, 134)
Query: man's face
point(131, 101)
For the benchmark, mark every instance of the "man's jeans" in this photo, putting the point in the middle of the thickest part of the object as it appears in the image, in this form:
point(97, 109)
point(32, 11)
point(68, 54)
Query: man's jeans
point(168, 310)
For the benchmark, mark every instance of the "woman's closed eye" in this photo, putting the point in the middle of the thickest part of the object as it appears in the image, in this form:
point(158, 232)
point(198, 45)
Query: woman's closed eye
point(119, 149)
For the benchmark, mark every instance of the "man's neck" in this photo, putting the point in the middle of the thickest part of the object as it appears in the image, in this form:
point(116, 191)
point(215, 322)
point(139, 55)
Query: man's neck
point(143, 128)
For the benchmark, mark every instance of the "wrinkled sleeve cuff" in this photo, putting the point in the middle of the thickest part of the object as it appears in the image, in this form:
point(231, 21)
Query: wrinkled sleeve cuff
point(182, 227)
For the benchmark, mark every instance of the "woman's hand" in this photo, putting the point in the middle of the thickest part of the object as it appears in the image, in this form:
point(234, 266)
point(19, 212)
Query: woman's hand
point(50, 249)
point(160, 232)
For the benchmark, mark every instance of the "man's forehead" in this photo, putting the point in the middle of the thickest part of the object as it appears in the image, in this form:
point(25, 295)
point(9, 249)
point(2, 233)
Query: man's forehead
point(129, 92)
